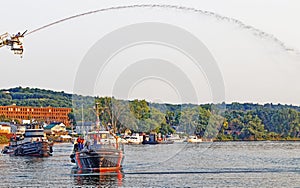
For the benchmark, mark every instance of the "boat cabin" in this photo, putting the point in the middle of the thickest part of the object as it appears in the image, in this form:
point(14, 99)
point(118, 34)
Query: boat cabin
point(100, 137)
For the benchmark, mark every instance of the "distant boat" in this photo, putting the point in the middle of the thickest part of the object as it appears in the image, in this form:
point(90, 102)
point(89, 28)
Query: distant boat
point(176, 138)
point(133, 139)
point(105, 153)
point(194, 139)
point(151, 139)
point(33, 143)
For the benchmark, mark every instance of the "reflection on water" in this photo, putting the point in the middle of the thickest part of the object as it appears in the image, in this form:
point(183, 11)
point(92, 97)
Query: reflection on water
point(83, 178)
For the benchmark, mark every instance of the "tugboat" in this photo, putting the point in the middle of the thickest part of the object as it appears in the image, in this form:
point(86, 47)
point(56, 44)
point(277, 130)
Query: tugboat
point(32, 143)
point(102, 152)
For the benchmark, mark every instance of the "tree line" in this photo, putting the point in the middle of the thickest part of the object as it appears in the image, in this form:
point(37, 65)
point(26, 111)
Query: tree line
point(235, 121)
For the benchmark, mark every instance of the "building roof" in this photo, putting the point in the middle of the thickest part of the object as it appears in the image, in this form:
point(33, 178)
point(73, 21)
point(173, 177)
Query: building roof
point(4, 125)
point(51, 125)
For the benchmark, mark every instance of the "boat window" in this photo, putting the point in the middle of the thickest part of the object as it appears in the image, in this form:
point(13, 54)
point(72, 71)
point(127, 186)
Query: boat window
point(103, 136)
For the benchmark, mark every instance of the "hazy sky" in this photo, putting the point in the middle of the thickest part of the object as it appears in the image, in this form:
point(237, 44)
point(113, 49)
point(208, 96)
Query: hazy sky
point(253, 68)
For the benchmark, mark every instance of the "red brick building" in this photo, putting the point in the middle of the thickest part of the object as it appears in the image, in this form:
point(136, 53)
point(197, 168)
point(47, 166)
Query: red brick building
point(42, 114)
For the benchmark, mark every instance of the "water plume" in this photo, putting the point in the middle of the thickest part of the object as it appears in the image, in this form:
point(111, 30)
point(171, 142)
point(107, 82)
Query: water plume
point(253, 30)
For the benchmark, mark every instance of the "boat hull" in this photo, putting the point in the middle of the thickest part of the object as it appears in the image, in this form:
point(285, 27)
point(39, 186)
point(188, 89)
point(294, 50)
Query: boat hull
point(166, 142)
point(149, 142)
point(102, 160)
point(38, 149)
point(133, 142)
point(194, 140)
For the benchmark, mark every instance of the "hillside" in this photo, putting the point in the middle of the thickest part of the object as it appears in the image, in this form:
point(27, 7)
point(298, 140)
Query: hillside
point(34, 97)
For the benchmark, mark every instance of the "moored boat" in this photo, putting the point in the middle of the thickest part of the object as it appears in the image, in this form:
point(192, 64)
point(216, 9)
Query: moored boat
point(176, 138)
point(32, 143)
point(151, 139)
point(194, 139)
point(134, 139)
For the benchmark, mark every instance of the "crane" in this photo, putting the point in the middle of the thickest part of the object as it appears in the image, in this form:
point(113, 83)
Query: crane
point(15, 42)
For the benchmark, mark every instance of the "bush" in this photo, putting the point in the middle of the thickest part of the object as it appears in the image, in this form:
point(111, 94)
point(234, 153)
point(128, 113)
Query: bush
point(3, 139)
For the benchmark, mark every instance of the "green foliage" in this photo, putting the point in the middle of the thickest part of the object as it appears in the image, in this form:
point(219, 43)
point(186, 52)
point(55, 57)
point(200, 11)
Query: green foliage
point(140, 109)
point(165, 129)
point(3, 139)
point(3, 118)
point(34, 97)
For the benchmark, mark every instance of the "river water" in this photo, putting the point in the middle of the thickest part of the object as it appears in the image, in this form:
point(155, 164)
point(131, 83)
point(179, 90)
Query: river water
point(218, 164)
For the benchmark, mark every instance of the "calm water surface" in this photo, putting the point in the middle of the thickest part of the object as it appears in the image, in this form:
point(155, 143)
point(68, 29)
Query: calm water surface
point(221, 164)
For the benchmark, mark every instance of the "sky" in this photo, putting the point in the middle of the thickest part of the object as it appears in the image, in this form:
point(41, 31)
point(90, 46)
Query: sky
point(248, 48)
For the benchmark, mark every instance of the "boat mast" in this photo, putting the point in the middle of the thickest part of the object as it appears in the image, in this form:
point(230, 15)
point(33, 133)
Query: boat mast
point(97, 120)
point(82, 118)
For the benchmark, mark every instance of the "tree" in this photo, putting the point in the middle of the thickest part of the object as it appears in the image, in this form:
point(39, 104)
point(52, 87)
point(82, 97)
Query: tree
point(189, 120)
point(140, 109)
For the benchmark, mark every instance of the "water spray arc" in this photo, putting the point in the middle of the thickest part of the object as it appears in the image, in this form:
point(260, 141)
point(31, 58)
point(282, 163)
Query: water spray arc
point(253, 30)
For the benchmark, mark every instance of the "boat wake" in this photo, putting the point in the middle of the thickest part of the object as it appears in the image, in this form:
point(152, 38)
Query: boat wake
point(234, 171)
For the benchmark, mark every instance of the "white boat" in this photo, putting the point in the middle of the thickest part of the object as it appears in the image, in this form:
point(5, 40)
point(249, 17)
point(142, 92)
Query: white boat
point(134, 139)
point(194, 139)
point(175, 138)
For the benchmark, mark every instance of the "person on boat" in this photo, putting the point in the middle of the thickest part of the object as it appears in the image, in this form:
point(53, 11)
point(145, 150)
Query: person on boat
point(75, 147)
point(18, 35)
point(87, 147)
point(80, 142)
point(95, 139)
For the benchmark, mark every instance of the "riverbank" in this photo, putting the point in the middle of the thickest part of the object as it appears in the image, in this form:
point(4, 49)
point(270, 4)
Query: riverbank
point(257, 140)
